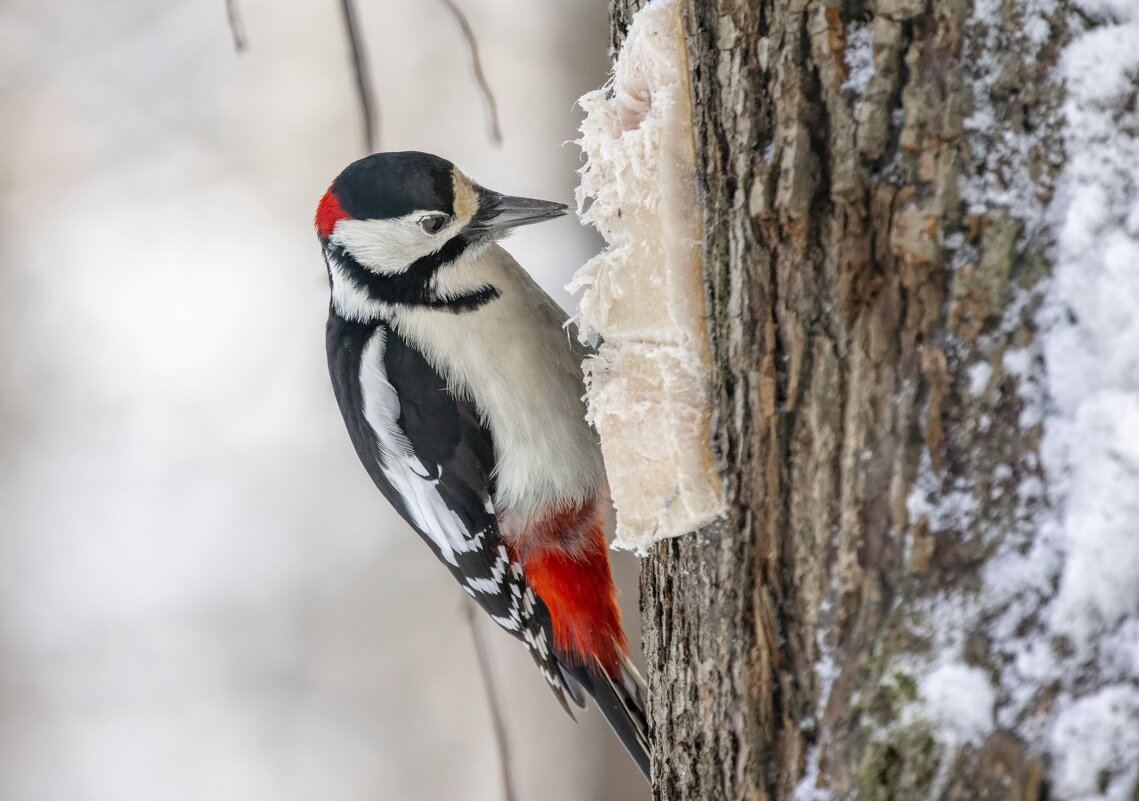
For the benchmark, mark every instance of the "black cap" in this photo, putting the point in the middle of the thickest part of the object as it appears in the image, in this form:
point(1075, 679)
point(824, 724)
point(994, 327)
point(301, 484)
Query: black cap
point(389, 185)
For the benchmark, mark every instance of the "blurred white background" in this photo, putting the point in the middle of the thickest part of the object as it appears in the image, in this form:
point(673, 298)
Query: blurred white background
point(201, 594)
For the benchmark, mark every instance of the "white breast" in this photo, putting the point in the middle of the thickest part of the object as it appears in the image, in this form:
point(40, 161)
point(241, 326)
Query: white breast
point(515, 360)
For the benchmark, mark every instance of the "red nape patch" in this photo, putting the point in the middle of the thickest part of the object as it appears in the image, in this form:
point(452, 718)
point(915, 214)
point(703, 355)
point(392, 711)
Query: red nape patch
point(577, 588)
point(327, 213)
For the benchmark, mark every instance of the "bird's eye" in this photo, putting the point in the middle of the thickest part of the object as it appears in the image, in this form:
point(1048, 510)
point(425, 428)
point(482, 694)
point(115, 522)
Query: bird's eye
point(433, 223)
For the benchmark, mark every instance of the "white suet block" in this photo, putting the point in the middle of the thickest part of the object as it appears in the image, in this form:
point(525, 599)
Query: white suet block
point(648, 385)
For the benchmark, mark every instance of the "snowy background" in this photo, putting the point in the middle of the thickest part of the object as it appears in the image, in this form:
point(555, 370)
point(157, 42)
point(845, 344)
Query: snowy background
point(201, 595)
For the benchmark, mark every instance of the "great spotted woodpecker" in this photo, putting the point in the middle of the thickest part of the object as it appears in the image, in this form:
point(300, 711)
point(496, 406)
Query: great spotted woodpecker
point(460, 384)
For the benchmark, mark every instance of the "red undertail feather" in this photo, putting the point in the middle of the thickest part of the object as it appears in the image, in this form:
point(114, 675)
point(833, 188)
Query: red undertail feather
point(328, 213)
point(567, 564)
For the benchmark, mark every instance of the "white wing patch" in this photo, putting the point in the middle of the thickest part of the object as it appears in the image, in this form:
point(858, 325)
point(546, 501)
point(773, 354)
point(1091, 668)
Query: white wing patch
point(402, 468)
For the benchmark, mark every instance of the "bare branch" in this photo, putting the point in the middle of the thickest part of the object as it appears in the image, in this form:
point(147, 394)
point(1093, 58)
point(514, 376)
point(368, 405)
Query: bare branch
point(236, 26)
point(497, 725)
point(476, 65)
point(369, 109)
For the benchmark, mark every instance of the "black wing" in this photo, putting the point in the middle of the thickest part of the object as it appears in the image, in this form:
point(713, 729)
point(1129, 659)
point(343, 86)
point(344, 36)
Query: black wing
point(433, 459)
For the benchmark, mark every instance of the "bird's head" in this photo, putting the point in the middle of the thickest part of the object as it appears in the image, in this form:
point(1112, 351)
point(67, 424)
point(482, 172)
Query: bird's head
point(398, 212)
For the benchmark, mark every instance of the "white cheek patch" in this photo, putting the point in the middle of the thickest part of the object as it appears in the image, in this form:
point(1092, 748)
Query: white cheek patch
point(390, 247)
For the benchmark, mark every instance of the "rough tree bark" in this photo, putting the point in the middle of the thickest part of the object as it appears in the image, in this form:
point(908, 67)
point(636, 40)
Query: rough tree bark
point(850, 290)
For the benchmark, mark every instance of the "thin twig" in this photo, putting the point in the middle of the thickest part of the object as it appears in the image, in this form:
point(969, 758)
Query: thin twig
point(368, 107)
point(236, 26)
point(496, 723)
point(476, 65)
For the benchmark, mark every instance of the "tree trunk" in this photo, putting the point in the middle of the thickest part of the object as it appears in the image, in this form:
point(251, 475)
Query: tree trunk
point(863, 303)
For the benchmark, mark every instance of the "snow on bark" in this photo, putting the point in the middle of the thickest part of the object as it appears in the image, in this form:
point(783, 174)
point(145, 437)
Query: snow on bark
point(1091, 443)
point(1060, 604)
point(959, 700)
point(648, 387)
point(859, 58)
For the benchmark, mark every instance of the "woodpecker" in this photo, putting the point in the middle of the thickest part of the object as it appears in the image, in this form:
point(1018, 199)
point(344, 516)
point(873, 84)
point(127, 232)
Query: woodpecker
point(460, 384)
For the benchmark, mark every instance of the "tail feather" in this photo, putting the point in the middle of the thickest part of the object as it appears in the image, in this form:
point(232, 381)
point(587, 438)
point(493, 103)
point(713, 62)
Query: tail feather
point(620, 699)
point(572, 689)
point(567, 566)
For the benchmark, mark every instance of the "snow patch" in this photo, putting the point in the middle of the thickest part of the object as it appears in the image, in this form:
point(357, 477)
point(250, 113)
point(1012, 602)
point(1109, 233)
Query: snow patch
point(1090, 450)
point(1005, 180)
point(827, 671)
point(859, 57)
point(959, 700)
point(979, 375)
point(945, 509)
point(808, 788)
point(1060, 603)
point(648, 385)
point(1094, 742)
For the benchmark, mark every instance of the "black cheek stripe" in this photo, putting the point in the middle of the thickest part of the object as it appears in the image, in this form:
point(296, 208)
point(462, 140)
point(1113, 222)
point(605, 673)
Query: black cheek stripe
point(471, 301)
point(413, 286)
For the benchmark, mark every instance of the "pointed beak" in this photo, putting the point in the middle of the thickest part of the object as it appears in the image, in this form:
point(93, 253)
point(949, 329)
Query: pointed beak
point(502, 212)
